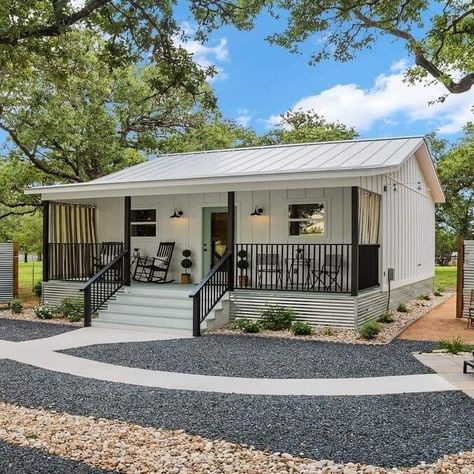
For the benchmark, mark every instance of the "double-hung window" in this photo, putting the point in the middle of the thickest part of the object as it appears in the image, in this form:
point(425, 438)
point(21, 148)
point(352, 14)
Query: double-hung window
point(143, 222)
point(307, 219)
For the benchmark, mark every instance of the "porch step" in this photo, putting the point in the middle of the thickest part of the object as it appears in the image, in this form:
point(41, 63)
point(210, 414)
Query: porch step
point(159, 307)
point(137, 327)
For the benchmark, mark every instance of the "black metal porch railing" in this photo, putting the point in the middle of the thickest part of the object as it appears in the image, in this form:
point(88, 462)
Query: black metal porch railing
point(80, 261)
point(211, 289)
point(369, 271)
point(103, 285)
point(298, 267)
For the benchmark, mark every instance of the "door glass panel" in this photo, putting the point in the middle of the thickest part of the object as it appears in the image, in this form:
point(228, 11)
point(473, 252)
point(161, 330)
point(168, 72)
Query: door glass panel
point(218, 235)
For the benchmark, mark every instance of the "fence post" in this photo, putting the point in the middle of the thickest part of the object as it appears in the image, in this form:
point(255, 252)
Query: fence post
point(460, 279)
point(87, 307)
point(197, 315)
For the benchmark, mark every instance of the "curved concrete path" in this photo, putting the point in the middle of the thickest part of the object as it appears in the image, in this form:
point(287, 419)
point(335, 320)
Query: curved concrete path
point(41, 353)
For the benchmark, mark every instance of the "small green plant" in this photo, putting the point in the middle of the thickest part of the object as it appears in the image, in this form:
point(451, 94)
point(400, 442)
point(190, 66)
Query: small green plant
point(247, 325)
point(277, 318)
point(370, 329)
point(43, 312)
point(301, 329)
point(15, 306)
point(424, 297)
point(386, 318)
point(186, 263)
point(72, 308)
point(402, 308)
point(455, 345)
point(328, 331)
point(37, 289)
point(439, 291)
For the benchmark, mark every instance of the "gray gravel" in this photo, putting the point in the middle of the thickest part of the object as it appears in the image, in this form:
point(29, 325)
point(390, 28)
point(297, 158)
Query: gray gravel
point(16, 330)
point(23, 460)
point(387, 430)
point(249, 356)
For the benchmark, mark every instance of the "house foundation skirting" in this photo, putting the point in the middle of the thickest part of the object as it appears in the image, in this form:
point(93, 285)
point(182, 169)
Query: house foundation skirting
point(325, 309)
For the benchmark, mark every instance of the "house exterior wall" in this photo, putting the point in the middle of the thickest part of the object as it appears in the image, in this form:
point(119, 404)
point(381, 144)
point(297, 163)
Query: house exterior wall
point(407, 224)
point(187, 231)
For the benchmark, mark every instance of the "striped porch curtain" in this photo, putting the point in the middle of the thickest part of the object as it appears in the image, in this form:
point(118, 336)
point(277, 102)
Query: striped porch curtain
point(369, 217)
point(74, 237)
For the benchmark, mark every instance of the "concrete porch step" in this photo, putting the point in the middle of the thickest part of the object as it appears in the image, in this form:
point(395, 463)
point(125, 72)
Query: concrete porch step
point(162, 301)
point(140, 327)
point(143, 320)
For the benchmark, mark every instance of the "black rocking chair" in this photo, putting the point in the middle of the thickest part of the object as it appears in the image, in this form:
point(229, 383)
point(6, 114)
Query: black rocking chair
point(155, 269)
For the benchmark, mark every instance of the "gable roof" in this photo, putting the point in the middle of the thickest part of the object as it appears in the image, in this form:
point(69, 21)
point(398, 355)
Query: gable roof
point(296, 161)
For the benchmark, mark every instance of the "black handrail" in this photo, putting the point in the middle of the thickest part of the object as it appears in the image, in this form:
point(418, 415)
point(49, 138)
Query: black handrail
point(211, 289)
point(103, 285)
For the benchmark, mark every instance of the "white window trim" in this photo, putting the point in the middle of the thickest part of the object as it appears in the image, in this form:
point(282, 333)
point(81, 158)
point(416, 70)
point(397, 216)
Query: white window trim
point(156, 222)
point(308, 237)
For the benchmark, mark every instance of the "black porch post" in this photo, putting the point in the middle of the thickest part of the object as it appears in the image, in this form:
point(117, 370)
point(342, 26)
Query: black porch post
point(355, 241)
point(231, 236)
point(45, 240)
point(127, 208)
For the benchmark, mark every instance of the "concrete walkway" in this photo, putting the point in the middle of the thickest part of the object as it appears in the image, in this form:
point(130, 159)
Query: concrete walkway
point(440, 323)
point(41, 353)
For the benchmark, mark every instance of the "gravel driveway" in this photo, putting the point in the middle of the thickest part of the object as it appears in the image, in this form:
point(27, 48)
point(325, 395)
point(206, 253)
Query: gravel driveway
point(384, 430)
point(249, 356)
point(16, 330)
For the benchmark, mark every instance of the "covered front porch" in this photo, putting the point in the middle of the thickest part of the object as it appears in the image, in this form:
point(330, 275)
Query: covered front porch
point(312, 241)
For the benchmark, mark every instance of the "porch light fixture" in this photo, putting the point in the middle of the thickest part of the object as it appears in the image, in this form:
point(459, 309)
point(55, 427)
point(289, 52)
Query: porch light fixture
point(258, 211)
point(176, 214)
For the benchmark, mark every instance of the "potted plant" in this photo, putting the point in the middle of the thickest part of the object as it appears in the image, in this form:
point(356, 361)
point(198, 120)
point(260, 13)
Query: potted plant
point(186, 263)
point(242, 265)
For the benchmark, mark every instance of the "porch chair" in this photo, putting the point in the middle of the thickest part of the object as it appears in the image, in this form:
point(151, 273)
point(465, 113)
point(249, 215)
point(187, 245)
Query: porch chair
point(327, 275)
point(268, 264)
point(470, 311)
point(155, 269)
point(107, 252)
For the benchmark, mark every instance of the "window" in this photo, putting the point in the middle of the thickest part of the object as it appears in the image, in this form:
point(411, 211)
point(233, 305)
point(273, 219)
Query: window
point(143, 222)
point(306, 219)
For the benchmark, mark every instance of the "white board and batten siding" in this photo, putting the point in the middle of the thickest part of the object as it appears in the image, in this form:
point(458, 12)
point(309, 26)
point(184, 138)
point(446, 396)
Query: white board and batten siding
point(468, 276)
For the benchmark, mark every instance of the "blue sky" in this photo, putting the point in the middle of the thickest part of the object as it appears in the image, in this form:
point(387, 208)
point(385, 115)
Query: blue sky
point(258, 81)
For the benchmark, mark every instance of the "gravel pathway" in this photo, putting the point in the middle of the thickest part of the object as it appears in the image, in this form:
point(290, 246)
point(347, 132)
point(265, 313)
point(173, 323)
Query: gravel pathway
point(248, 356)
point(20, 459)
point(382, 430)
point(16, 330)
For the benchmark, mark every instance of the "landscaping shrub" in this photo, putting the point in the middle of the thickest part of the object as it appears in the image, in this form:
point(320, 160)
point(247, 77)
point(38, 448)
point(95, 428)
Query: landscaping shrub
point(439, 291)
point(455, 345)
point(277, 318)
point(402, 308)
point(37, 289)
point(328, 331)
point(72, 308)
point(15, 306)
point(301, 329)
point(370, 329)
point(424, 297)
point(247, 325)
point(43, 312)
point(386, 317)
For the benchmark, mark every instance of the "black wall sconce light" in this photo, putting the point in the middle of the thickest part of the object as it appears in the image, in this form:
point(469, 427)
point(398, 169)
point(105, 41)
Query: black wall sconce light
point(258, 211)
point(177, 214)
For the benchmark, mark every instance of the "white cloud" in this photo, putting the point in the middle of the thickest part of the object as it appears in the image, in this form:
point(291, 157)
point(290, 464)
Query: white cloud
point(389, 100)
point(243, 117)
point(205, 55)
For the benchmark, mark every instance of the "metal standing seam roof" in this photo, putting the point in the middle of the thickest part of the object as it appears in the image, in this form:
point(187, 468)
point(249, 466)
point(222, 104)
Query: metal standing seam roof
point(266, 160)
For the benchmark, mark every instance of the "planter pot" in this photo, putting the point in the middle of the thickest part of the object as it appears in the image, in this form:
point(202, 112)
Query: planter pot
point(185, 278)
point(243, 281)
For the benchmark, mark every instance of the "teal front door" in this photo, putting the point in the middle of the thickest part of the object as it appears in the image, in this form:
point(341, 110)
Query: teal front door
point(214, 236)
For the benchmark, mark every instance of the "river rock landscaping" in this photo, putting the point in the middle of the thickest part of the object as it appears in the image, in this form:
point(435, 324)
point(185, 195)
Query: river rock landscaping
point(124, 447)
point(388, 331)
point(16, 330)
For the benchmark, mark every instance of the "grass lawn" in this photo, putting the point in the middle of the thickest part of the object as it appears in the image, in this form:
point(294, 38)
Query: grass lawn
point(445, 277)
point(28, 274)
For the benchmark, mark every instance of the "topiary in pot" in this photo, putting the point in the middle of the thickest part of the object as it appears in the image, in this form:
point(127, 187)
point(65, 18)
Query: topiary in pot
point(186, 263)
point(242, 265)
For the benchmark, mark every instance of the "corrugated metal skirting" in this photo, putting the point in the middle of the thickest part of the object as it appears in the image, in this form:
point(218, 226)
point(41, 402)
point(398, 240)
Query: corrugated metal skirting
point(6, 272)
point(55, 291)
point(468, 275)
